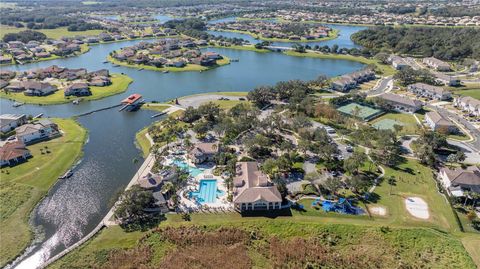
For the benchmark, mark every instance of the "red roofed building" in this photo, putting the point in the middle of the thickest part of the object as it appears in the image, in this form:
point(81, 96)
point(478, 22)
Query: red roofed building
point(13, 153)
point(132, 99)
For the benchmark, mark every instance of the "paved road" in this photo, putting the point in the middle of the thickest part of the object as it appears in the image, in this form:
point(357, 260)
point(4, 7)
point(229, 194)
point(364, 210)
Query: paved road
point(385, 84)
point(473, 131)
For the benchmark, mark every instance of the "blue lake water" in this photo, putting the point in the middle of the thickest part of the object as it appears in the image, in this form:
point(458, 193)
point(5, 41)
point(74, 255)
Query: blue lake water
point(75, 206)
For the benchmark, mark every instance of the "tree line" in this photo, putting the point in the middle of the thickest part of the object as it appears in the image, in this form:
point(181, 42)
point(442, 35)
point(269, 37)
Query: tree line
point(441, 42)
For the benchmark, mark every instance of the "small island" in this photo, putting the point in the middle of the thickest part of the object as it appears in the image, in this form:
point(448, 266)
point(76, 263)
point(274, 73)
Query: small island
point(58, 85)
point(174, 55)
point(278, 31)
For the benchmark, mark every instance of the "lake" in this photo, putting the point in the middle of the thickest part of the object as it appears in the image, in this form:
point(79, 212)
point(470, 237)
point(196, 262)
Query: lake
point(75, 206)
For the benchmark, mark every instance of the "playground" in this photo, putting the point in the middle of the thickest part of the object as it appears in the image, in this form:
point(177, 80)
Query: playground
point(342, 206)
point(360, 111)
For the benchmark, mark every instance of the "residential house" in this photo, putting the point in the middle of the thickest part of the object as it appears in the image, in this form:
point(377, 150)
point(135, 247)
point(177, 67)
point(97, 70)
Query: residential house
point(8, 122)
point(3, 84)
point(13, 153)
point(350, 81)
point(252, 189)
point(203, 152)
point(35, 88)
point(77, 89)
point(429, 91)
point(100, 81)
point(32, 132)
point(457, 181)
point(15, 86)
point(447, 79)
point(438, 123)
point(5, 60)
point(468, 104)
point(437, 64)
point(401, 103)
point(397, 62)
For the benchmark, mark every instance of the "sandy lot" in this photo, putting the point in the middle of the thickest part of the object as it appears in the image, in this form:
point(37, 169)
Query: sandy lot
point(417, 207)
point(378, 210)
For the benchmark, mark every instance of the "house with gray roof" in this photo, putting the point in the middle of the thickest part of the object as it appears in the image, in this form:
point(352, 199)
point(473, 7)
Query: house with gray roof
point(31, 133)
point(429, 91)
point(438, 122)
point(401, 103)
point(459, 180)
point(252, 189)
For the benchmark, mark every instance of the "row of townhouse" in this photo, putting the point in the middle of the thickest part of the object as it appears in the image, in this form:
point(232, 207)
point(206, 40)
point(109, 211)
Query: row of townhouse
point(429, 91)
point(436, 64)
point(350, 81)
point(400, 103)
point(468, 104)
point(439, 123)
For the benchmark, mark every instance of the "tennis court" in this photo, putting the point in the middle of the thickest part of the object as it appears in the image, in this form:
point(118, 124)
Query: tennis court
point(387, 124)
point(364, 112)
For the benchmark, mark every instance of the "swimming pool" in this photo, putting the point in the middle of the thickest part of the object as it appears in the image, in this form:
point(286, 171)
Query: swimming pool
point(207, 191)
point(193, 171)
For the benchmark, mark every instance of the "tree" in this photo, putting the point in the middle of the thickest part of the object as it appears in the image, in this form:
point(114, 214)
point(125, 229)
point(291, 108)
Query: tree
point(333, 184)
point(358, 183)
point(392, 182)
point(354, 162)
point(130, 209)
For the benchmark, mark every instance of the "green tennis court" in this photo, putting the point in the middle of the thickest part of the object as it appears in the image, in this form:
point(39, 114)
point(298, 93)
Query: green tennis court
point(387, 124)
point(364, 112)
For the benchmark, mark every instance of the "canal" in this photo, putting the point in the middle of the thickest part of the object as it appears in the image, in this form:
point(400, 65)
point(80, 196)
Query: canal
point(75, 206)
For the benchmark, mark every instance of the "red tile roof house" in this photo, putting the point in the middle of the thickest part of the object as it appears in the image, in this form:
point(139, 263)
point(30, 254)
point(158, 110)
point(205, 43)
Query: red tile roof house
point(253, 190)
point(203, 152)
point(459, 180)
point(13, 153)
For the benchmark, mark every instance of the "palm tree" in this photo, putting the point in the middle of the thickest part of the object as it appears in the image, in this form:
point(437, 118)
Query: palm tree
point(392, 182)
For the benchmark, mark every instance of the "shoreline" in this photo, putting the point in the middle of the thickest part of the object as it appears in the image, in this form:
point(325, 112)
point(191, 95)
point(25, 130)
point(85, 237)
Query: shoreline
point(187, 68)
point(98, 93)
point(259, 37)
point(40, 192)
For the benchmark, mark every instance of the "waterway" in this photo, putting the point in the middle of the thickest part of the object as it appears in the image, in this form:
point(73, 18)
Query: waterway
point(75, 206)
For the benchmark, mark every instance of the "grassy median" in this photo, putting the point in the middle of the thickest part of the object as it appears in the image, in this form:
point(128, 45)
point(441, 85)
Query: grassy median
point(22, 186)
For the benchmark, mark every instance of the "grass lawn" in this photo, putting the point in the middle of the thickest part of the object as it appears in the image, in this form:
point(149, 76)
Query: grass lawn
point(415, 180)
point(239, 47)
point(414, 247)
point(188, 67)
point(142, 141)
point(475, 93)
point(50, 33)
point(25, 184)
point(155, 106)
point(385, 69)
point(410, 125)
point(471, 243)
point(119, 84)
point(228, 104)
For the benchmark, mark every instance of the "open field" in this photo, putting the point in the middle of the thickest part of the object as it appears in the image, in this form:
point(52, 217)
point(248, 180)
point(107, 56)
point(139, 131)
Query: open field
point(119, 84)
point(407, 121)
point(24, 185)
point(265, 243)
point(415, 180)
point(50, 33)
point(385, 69)
point(475, 93)
point(155, 106)
point(188, 67)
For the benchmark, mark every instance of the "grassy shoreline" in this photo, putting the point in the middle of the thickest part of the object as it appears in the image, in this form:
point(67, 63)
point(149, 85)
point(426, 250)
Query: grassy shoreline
point(188, 67)
point(26, 184)
point(332, 35)
point(385, 69)
point(119, 85)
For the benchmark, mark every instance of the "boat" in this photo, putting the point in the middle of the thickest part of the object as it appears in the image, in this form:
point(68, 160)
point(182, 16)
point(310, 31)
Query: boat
point(75, 102)
point(17, 104)
point(116, 65)
point(234, 60)
point(165, 71)
point(38, 116)
point(140, 69)
point(105, 62)
point(67, 174)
